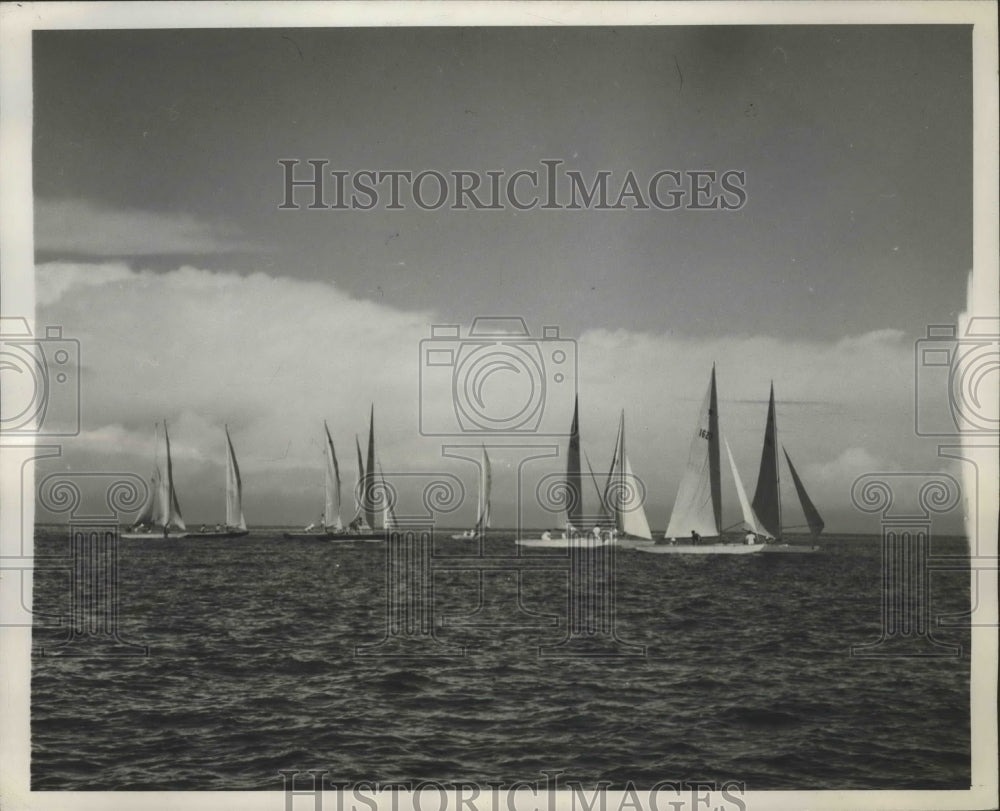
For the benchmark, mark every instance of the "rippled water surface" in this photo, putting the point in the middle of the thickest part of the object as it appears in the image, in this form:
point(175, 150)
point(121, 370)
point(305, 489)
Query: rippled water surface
point(253, 667)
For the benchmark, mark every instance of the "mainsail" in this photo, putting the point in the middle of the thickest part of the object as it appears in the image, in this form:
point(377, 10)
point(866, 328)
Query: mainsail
point(767, 498)
point(234, 488)
point(698, 506)
point(170, 510)
point(149, 515)
point(358, 495)
point(625, 493)
point(574, 495)
point(749, 518)
point(331, 510)
point(485, 485)
point(368, 494)
point(812, 514)
point(388, 514)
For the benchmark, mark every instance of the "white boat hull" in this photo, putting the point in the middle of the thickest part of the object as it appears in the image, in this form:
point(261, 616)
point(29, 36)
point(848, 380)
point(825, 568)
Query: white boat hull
point(789, 549)
point(703, 549)
point(565, 543)
point(222, 533)
point(334, 536)
point(151, 536)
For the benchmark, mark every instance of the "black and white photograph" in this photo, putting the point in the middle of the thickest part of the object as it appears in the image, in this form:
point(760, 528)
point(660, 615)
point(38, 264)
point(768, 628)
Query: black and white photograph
point(440, 406)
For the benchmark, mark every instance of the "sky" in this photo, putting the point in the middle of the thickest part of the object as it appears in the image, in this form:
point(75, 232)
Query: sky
point(160, 244)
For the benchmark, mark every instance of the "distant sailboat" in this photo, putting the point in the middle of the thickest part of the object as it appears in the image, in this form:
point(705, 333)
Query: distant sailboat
point(767, 498)
point(330, 523)
point(160, 516)
point(621, 499)
point(623, 496)
point(236, 525)
point(697, 509)
point(483, 507)
point(363, 526)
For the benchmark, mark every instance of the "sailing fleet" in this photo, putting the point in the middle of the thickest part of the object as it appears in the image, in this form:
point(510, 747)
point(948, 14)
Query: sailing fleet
point(695, 525)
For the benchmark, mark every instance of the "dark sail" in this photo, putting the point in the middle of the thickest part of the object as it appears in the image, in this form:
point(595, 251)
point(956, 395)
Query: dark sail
point(574, 506)
point(368, 493)
point(767, 498)
point(812, 514)
point(715, 472)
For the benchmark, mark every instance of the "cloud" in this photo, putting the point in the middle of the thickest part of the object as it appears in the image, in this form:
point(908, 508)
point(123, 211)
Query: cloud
point(83, 228)
point(273, 357)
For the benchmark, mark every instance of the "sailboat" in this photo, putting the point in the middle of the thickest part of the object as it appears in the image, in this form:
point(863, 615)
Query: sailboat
point(483, 506)
point(160, 516)
point(767, 498)
point(329, 524)
point(697, 511)
point(363, 527)
point(621, 501)
point(236, 525)
point(623, 498)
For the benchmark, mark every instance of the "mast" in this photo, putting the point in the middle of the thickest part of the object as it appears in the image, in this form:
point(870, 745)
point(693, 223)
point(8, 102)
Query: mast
point(234, 487)
point(331, 512)
point(368, 493)
point(574, 508)
point(767, 497)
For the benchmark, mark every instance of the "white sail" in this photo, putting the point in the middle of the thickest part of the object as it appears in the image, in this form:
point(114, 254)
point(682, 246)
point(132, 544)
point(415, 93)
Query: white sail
point(331, 507)
point(626, 495)
point(149, 515)
point(749, 519)
point(170, 508)
point(698, 504)
point(483, 512)
point(632, 515)
point(234, 488)
point(382, 493)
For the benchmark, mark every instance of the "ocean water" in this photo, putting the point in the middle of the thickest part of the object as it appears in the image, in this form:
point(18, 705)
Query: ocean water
point(729, 668)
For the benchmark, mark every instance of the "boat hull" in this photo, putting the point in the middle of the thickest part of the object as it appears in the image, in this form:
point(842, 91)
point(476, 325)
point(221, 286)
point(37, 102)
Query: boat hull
point(789, 549)
point(333, 536)
point(703, 549)
point(583, 542)
point(222, 533)
point(152, 536)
